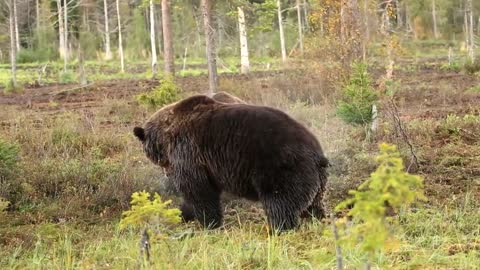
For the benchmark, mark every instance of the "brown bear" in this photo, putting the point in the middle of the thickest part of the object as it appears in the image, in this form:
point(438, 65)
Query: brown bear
point(256, 152)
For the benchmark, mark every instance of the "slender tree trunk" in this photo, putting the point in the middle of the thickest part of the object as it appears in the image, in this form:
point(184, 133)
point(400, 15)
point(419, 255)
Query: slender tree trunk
point(37, 6)
point(152, 38)
point(65, 33)
point(15, 18)
point(120, 41)
point(159, 32)
point(478, 26)
point(244, 59)
point(167, 38)
point(210, 45)
point(108, 52)
point(300, 27)
point(366, 38)
point(61, 34)
point(471, 46)
point(434, 17)
point(13, 47)
point(305, 14)
point(465, 25)
point(280, 29)
point(342, 21)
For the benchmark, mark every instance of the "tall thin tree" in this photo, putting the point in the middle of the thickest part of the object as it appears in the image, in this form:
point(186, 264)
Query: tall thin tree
point(13, 46)
point(434, 19)
point(120, 41)
point(280, 29)
point(167, 38)
point(471, 41)
point(108, 52)
point(244, 58)
point(300, 26)
point(15, 18)
point(152, 38)
point(61, 34)
point(210, 45)
point(65, 34)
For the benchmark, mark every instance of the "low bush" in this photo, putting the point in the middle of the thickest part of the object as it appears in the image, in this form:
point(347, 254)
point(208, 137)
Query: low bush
point(167, 92)
point(472, 67)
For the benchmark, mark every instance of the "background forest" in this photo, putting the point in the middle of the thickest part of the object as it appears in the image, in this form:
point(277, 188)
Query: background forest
point(390, 88)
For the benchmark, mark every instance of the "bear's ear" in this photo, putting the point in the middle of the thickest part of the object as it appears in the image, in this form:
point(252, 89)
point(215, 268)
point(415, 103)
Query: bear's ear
point(189, 104)
point(139, 133)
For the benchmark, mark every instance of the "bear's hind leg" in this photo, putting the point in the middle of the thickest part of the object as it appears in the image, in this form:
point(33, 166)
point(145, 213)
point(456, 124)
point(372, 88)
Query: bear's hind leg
point(316, 209)
point(282, 214)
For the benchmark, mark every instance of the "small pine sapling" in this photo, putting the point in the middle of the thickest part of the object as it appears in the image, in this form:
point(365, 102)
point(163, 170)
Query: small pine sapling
point(146, 212)
point(390, 187)
point(358, 97)
point(167, 92)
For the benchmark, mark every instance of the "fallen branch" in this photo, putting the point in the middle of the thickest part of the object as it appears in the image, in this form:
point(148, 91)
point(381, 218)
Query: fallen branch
point(402, 130)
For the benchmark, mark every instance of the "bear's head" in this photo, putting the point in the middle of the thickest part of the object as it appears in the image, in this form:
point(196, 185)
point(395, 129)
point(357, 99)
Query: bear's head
point(159, 131)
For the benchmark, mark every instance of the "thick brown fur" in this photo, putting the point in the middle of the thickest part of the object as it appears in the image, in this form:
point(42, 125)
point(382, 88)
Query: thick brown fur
point(256, 152)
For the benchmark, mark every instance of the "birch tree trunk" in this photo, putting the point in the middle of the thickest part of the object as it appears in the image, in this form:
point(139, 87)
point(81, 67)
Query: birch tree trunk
point(305, 14)
point(465, 25)
point(244, 59)
point(342, 21)
point(65, 33)
point(61, 34)
point(210, 46)
point(167, 38)
point(434, 17)
point(152, 38)
point(366, 38)
point(37, 6)
point(108, 52)
point(15, 16)
point(300, 27)
point(280, 29)
point(13, 47)
point(471, 46)
point(120, 41)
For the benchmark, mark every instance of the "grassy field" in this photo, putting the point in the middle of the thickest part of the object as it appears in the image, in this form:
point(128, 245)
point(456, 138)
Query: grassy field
point(77, 164)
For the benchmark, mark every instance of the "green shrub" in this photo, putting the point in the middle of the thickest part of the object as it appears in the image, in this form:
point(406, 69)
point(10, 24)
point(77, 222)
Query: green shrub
point(9, 155)
point(474, 89)
point(26, 56)
point(3, 206)
point(166, 93)
point(451, 67)
point(389, 187)
point(472, 67)
point(358, 97)
point(9, 88)
point(67, 77)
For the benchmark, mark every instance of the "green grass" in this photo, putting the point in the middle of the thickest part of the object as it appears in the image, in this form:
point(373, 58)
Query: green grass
point(447, 237)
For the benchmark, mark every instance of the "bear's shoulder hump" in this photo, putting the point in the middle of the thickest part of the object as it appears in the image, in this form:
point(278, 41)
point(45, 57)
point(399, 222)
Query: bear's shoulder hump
point(191, 103)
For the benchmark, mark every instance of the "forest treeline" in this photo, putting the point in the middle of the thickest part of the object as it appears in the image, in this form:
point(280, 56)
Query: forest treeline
point(144, 30)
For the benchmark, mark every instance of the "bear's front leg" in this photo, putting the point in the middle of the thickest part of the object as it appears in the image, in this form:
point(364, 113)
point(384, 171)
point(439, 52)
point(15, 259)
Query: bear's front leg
point(187, 212)
point(201, 198)
point(207, 211)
